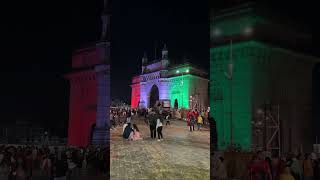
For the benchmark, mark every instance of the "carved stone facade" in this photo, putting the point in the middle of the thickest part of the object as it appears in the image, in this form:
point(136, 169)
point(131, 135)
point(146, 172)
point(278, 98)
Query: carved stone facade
point(185, 84)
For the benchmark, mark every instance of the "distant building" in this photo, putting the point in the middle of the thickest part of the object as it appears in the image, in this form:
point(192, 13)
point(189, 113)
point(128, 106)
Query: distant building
point(257, 63)
point(90, 90)
point(180, 86)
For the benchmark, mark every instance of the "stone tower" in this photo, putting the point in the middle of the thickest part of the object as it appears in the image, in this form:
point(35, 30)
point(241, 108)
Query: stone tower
point(101, 131)
point(90, 90)
point(164, 59)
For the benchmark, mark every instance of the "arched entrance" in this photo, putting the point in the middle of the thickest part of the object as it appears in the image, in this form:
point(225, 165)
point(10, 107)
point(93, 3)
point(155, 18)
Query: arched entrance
point(154, 96)
point(176, 105)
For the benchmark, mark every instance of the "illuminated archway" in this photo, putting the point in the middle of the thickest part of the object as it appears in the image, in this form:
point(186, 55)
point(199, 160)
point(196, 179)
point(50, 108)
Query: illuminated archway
point(154, 96)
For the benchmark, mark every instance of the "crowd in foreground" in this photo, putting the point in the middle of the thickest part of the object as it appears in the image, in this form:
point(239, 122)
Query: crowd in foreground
point(53, 163)
point(261, 167)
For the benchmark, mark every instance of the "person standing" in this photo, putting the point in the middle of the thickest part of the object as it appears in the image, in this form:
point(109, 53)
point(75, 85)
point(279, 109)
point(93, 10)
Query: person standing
point(192, 122)
point(307, 168)
point(200, 122)
point(129, 116)
point(296, 168)
point(152, 124)
point(159, 128)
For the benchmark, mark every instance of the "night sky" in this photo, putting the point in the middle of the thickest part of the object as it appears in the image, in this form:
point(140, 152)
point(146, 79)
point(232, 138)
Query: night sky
point(39, 38)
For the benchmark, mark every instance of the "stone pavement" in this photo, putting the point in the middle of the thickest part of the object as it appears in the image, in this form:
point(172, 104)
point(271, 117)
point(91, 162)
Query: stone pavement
point(182, 154)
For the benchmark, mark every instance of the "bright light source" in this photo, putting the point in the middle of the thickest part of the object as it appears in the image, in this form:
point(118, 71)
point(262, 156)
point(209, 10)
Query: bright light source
point(217, 32)
point(248, 30)
point(177, 71)
point(187, 71)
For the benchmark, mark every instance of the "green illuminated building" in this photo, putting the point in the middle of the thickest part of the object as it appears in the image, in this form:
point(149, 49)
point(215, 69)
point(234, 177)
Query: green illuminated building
point(182, 86)
point(269, 67)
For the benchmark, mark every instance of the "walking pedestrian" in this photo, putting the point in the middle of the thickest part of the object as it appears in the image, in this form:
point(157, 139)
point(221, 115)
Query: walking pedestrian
point(200, 122)
point(159, 129)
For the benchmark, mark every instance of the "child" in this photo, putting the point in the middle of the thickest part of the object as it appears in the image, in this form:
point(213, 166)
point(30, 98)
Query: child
point(136, 133)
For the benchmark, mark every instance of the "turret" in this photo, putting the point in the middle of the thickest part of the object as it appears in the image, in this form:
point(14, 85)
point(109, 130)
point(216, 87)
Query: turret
point(144, 62)
point(164, 60)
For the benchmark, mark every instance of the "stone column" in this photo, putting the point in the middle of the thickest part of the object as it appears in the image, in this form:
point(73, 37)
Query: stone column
point(101, 131)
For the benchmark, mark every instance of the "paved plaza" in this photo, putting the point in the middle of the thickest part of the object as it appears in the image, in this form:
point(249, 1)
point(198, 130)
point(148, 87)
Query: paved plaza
point(181, 155)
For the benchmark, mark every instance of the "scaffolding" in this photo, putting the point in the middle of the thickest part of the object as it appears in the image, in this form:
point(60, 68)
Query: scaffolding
point(266, 131)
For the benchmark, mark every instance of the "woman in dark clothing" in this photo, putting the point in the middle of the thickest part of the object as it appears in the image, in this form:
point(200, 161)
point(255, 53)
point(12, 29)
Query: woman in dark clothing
point(127, 131)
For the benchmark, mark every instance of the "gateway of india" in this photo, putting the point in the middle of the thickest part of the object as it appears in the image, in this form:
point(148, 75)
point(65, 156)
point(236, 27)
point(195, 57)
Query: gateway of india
point(183, 86)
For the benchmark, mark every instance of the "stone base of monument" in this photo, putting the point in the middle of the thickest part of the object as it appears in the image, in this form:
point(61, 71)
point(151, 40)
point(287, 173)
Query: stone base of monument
point(101, 136)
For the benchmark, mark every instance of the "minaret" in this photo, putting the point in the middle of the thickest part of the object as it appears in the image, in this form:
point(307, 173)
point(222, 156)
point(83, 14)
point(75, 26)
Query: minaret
point(105, 17)
point(144, 62)
point(165, 52)
point(101, 133)
point(164, 59)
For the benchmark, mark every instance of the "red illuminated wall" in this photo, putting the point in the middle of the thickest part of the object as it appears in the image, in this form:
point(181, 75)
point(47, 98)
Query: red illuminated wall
point(83, 96)
point(135, 93)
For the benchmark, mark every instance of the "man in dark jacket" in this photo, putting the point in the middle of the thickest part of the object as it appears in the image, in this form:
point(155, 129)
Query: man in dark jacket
point(152, 124)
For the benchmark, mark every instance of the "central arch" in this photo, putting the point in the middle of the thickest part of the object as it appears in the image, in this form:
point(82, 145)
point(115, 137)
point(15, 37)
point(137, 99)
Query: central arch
point(154, 96)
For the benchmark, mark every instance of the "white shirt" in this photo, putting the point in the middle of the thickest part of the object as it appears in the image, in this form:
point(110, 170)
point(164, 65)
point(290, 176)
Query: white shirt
point(159, 123)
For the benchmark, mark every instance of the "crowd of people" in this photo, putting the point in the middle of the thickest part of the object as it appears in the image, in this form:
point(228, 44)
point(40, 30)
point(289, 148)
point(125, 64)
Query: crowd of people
point(54, 163)
point(154, 119)
point(194, 117)
point(289, 167)
point(120, 116)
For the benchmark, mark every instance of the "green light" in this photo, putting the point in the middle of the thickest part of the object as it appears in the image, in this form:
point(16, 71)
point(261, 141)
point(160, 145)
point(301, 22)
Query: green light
point(180, 91)
point(246, 74)
point(177, 71)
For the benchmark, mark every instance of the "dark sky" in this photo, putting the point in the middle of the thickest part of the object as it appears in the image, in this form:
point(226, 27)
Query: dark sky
point(39, 38)
point(140, 26)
